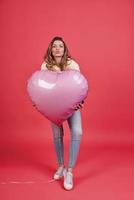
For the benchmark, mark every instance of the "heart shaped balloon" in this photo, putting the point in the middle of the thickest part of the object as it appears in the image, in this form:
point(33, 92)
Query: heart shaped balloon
point(57, 93)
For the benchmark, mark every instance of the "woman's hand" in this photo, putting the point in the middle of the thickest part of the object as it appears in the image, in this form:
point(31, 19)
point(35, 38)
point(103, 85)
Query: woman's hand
point(35, 106)
point(80, 105)
point(56, 68)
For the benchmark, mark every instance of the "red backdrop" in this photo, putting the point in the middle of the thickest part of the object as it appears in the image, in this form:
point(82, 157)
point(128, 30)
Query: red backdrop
point(99, 35)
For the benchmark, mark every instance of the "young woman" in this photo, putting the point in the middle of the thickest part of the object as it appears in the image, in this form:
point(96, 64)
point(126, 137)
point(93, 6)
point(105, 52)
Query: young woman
point(57, 58)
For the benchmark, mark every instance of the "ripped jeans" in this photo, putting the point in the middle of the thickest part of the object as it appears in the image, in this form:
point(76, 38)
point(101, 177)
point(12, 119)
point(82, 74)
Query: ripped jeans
point(75, 125)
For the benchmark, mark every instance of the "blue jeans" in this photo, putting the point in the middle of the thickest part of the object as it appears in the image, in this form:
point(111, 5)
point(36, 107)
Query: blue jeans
point(74, 122)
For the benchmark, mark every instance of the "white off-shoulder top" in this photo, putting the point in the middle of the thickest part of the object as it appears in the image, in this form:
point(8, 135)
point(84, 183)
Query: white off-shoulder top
point(71, 65)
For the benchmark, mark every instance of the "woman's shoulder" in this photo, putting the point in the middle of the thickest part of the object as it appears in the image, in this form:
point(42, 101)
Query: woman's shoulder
point(43, 66)
point(72, 64)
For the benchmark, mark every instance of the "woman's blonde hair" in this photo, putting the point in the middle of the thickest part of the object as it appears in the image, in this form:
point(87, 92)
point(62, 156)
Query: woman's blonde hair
point(49, 58)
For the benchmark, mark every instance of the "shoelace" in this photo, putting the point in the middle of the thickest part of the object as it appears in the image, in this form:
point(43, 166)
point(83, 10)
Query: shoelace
point(69, 177)
point(59, 171)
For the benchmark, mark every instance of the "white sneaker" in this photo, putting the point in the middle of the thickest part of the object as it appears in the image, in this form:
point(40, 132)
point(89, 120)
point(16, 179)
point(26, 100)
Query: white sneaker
point(68, 179)
point(59, 173)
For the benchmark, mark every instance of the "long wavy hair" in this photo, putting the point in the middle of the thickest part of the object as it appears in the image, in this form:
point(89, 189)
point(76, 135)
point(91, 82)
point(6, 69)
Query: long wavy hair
point(49, 58)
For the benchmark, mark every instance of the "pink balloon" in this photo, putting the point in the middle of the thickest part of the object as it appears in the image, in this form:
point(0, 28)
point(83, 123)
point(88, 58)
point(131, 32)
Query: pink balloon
point(57, 93)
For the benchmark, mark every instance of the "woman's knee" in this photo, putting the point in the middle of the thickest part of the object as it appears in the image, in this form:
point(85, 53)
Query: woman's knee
point(76, 133)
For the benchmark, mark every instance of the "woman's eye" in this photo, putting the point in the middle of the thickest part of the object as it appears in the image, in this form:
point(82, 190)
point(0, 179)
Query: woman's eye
point(59, 46)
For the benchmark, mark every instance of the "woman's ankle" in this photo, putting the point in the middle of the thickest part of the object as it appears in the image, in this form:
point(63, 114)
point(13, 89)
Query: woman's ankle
point(70, 169)
point(61, 165)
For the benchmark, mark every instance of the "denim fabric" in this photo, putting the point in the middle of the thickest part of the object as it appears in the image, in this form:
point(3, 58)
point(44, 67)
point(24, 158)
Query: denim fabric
point(75, 125)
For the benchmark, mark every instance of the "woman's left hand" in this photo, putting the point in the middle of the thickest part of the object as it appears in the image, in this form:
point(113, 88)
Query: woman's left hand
point(56, 68)
point(80, 105)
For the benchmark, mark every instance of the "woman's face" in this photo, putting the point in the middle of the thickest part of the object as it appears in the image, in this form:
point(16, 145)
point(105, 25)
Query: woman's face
point(58, 48)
